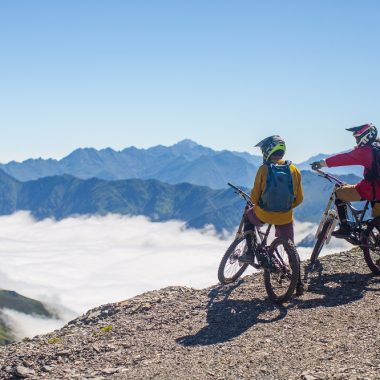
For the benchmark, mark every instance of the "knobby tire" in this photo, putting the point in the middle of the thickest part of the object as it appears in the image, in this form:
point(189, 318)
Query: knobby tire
point(280, 284)
point(229, 268)
point(371, 249)
point(320, 241)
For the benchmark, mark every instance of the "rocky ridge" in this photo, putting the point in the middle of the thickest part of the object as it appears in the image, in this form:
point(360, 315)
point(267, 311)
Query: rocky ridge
point(222, 332)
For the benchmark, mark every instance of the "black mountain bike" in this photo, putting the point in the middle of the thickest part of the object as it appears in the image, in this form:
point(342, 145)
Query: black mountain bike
point(364, 233)
point(279, 260)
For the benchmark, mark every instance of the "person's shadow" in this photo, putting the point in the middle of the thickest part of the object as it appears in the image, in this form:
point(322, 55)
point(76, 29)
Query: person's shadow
point(229, 318)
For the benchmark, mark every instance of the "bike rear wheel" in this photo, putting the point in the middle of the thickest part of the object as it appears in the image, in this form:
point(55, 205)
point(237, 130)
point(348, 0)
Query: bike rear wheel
point(321, 239)
point(282, 276)
point(230, 269)
point(371, 248)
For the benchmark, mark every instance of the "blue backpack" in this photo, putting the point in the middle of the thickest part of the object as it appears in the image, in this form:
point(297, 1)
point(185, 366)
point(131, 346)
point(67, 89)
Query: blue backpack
point(279, 192)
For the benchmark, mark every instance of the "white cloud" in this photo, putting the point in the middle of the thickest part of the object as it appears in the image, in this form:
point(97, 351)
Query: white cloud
point(84, 262)
point(79, 263)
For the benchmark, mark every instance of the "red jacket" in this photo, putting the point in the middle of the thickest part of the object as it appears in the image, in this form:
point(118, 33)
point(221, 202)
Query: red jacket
point(362, 156)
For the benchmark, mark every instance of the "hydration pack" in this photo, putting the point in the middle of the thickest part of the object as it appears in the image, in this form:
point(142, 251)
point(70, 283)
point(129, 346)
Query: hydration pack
point(374, 173)
point(279, 192)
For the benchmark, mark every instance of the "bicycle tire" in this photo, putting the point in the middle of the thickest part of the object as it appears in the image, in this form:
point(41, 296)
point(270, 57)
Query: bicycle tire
point(372, 256)
point(231, 262)
point(287, 267)
point(320, 240)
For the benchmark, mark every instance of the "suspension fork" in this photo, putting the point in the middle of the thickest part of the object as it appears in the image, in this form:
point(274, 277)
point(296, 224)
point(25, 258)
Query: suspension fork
point(240, 231)
point(329, 212)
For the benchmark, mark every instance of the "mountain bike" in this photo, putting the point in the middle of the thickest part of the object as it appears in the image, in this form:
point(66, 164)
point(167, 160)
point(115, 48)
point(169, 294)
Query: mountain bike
point(279, 260)
point(364, 233)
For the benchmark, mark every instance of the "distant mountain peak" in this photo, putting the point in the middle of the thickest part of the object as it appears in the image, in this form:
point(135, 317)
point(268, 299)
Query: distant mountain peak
point(187, 142)
point(186, 160)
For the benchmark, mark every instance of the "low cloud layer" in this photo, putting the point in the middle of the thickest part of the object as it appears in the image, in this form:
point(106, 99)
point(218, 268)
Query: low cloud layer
point(79, 263)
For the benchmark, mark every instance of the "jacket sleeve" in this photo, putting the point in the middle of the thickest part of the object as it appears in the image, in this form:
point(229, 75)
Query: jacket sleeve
point(259, 184)
point(362, 157)
point(297, 186)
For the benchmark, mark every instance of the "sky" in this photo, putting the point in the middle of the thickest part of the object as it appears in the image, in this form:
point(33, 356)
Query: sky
point(117, 73)
point(79, 263)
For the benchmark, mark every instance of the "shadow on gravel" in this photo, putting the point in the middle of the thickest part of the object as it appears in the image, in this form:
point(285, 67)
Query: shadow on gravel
point(334, 289)
point(228, 319)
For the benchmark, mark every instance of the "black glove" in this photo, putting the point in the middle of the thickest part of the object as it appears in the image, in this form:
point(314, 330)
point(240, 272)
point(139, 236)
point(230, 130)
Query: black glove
point(316, 165)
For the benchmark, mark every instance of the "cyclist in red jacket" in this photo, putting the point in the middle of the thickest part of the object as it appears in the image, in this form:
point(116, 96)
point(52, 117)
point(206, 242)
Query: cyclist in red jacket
point(367, 189)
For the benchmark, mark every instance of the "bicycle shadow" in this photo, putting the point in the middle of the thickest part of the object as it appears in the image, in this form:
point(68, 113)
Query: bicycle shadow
point(228, 318)
point(335, 289)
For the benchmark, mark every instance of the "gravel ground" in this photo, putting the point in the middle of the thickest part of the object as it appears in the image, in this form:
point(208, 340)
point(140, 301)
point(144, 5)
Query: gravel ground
point(222, 332)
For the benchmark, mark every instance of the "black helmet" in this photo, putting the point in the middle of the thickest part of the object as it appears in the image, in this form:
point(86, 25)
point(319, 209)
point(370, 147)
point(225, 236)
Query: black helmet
point(364, 134)
point(271, 145)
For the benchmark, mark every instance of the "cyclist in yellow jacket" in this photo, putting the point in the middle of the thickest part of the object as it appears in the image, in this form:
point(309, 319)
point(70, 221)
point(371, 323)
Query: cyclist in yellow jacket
point(276, 209)
point(273, 149)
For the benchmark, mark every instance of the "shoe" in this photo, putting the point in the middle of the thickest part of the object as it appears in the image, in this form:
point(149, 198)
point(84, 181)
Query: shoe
point(342, 232)
point(300, 289)
point(247, 258)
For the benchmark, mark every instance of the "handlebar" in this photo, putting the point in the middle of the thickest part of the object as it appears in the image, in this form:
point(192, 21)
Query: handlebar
point(329, 177)
point(246, 197)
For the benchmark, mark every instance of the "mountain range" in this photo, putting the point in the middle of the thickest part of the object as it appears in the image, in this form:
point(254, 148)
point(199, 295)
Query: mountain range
point(185, 161)
point(63, 196)
point(186, 182)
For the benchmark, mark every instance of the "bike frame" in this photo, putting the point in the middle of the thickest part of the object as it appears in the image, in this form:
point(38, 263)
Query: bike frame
point(279, 260)
point(331, 212)
point(257, 231)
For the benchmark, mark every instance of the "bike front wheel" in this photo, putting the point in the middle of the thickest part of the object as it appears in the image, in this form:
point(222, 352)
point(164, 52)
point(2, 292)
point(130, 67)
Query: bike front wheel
point(230, 269)
point(321, 240)
point(371, 248)
point(282, 275)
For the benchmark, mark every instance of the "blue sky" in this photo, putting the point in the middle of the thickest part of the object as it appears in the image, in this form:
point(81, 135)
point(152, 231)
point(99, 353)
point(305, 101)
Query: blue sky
point(223, 73)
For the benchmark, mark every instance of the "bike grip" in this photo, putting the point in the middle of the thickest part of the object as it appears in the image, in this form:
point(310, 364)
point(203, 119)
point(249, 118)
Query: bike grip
point(233, 186)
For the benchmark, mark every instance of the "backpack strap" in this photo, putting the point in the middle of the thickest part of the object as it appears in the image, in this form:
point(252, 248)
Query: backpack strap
point(375, 160)
point(373, 190)
point(374, 172)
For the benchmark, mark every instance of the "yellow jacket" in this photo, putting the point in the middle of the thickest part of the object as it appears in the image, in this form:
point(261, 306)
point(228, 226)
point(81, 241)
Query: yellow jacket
point(275, 217)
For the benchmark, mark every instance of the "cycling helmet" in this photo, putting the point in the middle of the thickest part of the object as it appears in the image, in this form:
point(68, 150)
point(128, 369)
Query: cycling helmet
point(271, 145)
point(364, 134)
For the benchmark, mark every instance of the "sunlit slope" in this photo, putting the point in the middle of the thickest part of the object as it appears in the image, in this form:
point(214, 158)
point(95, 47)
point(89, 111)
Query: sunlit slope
point(14, 301)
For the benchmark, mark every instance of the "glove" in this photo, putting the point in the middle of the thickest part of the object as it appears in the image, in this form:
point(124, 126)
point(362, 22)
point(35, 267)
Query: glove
point(316, 165)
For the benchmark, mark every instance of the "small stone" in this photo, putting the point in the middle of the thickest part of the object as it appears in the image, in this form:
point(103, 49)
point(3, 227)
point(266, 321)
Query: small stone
point(96, 348)
point(110, 371)
point(308, 376)
point(64, 353)
point(24, 372)
point(146, 306)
